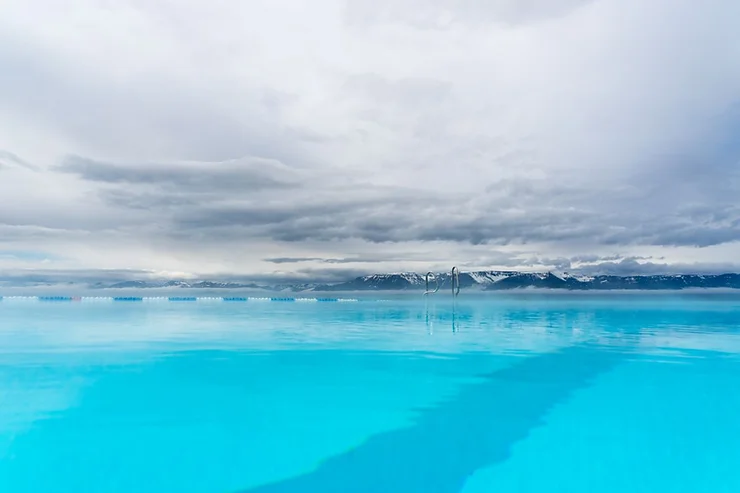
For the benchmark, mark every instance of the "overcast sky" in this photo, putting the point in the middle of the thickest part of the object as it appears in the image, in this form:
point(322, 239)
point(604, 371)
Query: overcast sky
point(329, 137)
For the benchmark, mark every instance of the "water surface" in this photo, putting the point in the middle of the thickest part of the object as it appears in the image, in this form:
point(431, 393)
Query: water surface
point(500, 393)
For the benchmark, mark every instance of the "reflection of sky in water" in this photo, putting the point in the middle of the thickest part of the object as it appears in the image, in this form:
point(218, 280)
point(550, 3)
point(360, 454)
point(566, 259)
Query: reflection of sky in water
point(409, 397)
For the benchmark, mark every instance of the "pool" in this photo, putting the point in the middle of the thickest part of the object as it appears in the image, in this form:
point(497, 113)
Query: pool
point(497, 393)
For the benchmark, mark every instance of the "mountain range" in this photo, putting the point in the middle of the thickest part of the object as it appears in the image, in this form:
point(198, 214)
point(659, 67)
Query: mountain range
point(480, 280)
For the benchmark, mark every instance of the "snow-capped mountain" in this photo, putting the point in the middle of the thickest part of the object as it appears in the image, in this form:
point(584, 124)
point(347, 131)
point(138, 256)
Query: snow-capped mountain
point(480, 280)
point(504, 280)
point(401, 281)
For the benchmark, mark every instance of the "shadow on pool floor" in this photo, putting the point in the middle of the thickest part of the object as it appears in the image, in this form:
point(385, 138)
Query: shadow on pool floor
point(449, 442)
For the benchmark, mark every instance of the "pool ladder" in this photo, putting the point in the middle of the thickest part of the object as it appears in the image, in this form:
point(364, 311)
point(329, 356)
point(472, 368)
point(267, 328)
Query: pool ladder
point(454, 276)
point(431, 275)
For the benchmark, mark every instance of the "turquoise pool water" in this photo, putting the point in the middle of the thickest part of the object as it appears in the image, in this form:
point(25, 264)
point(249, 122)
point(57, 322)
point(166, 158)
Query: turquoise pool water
point(505, 393)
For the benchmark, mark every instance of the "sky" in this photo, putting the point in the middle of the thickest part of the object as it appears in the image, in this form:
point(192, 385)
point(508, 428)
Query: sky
point(326, 138)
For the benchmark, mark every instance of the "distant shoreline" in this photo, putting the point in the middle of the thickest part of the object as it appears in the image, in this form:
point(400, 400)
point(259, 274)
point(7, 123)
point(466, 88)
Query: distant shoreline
point(412, 283)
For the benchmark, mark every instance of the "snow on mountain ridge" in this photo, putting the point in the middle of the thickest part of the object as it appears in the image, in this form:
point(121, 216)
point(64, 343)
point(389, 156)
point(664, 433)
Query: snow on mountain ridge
point(411, 277)
point(489, 277)
point(483, 280)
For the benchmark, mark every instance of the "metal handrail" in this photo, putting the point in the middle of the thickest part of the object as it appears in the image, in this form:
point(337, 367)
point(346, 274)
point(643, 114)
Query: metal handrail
point(455, 276)
point(436, 282)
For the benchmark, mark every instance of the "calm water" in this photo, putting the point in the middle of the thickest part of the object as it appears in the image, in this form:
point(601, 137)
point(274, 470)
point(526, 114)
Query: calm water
point(517, 393)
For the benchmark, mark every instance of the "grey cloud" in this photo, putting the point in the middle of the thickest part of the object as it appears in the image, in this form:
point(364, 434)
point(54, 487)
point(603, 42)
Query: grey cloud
point(491, 257)
point(320, 208)
point(304, 275)
point(43, 228)
point(297, 260)
point(306, 135)
point(559, 263)
point(237, 175)
point(241, 203)
point(295, 276)
point(10, 160)
point(412, 91)
point(363, 259)
point(293, 260)
point(536, 226)
point(594, 258)
point(156, 115)
point(643, 228)
point(260, 198)
point(631, 266)
point(420, 105)
point(392, 221)
point(631, 145)
point(330, 275)
point(27, 276)
point(703, 180)
point(19, 278)
point(697, 236)
point(147, 201)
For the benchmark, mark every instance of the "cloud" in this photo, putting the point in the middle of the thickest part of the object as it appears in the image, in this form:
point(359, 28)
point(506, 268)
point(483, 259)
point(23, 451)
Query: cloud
point(440, 14)
point(632, 266)
point(356, 135)
point(406, 92)
point(359, 259)
point(513, 214)
point(295, 260)
point(103, 278)
point(8, 159)
point(236, 175)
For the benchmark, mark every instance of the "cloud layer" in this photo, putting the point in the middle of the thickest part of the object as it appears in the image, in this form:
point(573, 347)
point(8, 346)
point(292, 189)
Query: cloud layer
point(276, 137)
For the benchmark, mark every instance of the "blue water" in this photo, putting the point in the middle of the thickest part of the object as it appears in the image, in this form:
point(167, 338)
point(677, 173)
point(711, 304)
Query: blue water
point(520, 393)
